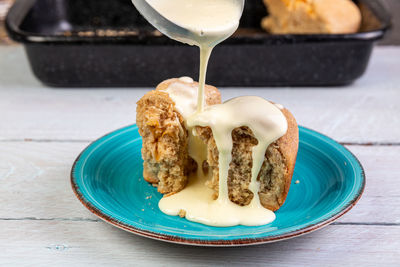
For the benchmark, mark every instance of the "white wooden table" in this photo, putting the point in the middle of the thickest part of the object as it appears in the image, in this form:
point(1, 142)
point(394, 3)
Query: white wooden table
point(42, 130)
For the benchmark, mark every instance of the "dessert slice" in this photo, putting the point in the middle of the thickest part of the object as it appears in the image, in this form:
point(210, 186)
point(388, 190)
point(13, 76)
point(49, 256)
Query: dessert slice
point(161, 124)
point(312, 16)
point(275, 174)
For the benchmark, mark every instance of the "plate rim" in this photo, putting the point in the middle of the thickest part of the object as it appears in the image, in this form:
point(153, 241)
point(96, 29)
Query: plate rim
point(214, 243)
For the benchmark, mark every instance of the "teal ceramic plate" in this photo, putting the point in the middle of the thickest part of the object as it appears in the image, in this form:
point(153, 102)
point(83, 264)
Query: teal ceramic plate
point(107, 178)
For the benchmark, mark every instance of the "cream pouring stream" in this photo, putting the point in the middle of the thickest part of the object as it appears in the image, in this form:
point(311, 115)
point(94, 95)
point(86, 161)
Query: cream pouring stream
point(206, 23)
point(209, 22)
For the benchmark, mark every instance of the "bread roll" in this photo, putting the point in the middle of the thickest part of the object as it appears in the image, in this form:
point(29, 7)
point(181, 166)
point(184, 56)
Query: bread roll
point(276, 172)
point(165, 138)
point(167, 163)
point(312, 16)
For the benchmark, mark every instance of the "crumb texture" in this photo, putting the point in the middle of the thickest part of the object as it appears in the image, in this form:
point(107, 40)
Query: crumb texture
point(276, 172)
point(165, 139)
point(167, 163)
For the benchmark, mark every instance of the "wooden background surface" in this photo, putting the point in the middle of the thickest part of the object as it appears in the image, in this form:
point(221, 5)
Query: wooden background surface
point(42, 130)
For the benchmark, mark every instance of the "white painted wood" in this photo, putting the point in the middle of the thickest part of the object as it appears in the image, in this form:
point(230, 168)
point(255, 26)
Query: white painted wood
point(364, 112)
point(381, 200)
point(34, 182)
point(42, 223)
point(96, 243)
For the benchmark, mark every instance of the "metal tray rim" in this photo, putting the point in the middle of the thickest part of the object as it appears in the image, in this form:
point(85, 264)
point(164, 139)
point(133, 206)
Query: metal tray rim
point(20, 9)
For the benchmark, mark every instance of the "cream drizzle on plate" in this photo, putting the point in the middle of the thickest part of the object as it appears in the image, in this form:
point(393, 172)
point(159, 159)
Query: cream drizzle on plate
point(267, 124)
point(213, 21)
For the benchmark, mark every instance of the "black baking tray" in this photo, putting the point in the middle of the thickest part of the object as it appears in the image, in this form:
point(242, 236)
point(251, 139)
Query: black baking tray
point(107, 43)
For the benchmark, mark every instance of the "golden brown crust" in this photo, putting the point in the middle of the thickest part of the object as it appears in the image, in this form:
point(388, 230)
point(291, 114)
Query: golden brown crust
point(164, 142)
point(275, 174)
point(288, 147)
point(311, 16)
point(165, 138)
point(167, 163)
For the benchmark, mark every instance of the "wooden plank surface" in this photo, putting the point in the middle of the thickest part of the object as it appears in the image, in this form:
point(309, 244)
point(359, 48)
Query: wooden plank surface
point(34, 183)
point(69, 243)
point(357, 114)
point(42, 130)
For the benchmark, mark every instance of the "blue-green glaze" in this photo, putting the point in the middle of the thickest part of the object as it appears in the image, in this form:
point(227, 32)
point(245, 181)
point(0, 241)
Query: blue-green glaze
point(107, 178)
